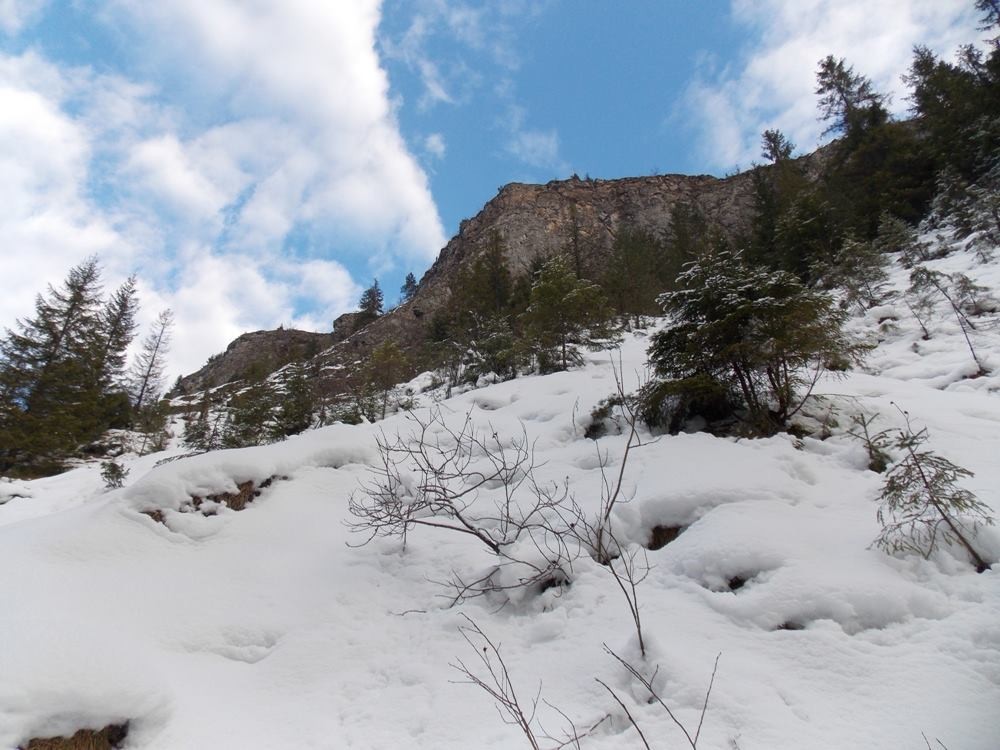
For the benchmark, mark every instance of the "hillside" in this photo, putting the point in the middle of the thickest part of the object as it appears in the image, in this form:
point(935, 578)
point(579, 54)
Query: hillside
point(579, 216)
point(162, 605)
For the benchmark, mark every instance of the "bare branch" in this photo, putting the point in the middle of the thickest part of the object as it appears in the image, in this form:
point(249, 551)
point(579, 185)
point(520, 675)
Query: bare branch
point(472, 482)
point(498, 685)
point(647, 682)
point(628, 714)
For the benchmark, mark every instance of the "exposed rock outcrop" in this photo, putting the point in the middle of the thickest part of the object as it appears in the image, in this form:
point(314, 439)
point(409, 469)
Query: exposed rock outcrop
point(255, 355)
point(577, 215)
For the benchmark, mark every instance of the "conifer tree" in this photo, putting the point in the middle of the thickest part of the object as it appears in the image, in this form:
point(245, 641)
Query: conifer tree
point(564, 314)
point(51, 374)
point(775, 147)
point(117, 331)
point(296, 403)
point(922, 507)
point(385, 368)
point(204, 430)
point(486, 288)
point(409, 288)
point(371, 303)
point(860, 270)
point(759, 334)
point(476, 335)
point(688, 237)
point(145, 382)
point(848, 100)
point(632, 281)
point(249, 421)
point(146, 374)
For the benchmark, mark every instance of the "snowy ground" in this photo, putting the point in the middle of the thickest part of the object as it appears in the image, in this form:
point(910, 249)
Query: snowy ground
point(265, 629)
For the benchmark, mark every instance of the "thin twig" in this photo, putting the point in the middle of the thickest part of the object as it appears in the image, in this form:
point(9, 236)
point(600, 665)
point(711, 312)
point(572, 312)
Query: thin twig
point(627, 713)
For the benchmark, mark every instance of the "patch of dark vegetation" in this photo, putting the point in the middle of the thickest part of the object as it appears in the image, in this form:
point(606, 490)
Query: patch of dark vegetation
point(108, 738)
point(245, 494)
point(791, 625)
point(661, 536)
point(736, 583)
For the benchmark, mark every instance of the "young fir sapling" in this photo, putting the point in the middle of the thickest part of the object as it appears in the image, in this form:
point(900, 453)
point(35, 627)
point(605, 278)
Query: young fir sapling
point(922, 505)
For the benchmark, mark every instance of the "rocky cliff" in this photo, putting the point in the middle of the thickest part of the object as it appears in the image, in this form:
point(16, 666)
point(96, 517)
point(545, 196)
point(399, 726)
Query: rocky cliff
point(533, 221)
point(255, 355)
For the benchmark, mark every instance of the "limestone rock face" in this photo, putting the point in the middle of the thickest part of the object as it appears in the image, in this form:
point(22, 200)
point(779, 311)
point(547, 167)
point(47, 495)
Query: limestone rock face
point(539, 220)
point(255, 355)
point(565, 215)
point(575, 215)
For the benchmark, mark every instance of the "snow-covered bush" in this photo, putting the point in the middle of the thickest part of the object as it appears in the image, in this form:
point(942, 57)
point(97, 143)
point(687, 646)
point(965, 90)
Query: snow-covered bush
point(758, 334)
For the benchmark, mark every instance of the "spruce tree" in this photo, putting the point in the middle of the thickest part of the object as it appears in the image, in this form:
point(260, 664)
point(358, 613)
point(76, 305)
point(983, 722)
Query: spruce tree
point(51, 374)
point(848, 100)
point(565, 313)
point(475, 335)
point(775, 147)
point(409, 288)
point(631, 281)
point(295, 404)
point(385, 368)
point(371, 303)
point(860, 270)
point(117, 330)
point(759, 335)
point(250, 418)
point(922, 507)
point(688, 237)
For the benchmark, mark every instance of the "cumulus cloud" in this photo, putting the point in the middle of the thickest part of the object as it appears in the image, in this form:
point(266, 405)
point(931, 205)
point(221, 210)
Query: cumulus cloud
point(164, 168)
point(15, 14)
point(772, 81)
point(46, 220)
point(242, 212)
point(306, 77)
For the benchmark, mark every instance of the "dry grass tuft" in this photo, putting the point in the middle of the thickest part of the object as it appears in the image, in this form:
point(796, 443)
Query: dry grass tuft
point(239, 500)
point(86, 739)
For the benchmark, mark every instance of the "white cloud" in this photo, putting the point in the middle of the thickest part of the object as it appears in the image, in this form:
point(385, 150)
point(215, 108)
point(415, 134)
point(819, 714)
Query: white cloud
point(771, 83)
point(45, 219)
point(16, 14)
point(454, 46)
point(434, 146)
point(536, 148)
point(480, 41)
point(162, 166)
point(231, 211)
point(409, 49)
point(308, 76)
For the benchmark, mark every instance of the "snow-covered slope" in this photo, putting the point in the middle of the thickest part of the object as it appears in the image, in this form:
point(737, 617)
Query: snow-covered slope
point(271, 628)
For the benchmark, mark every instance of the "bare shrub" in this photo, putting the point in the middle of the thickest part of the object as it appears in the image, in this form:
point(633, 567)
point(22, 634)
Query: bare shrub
point(494, 679)
point(470, 481)
point(654, 697)
point(628, 566)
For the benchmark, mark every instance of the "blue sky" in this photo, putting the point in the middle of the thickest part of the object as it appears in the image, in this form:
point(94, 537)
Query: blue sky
point(258, 162)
